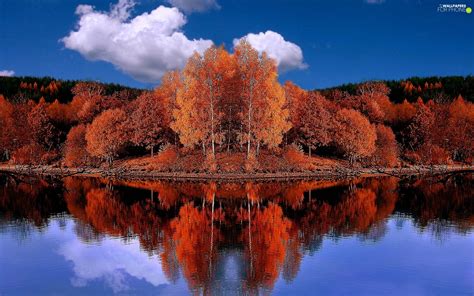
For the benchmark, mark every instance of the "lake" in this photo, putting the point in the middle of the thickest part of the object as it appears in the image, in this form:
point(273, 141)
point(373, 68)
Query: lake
point(370, 236)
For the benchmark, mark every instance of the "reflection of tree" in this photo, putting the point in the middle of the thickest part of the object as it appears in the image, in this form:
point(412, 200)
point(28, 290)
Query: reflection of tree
point(294, 254)
point(346, 210)
point(265, 241)
point(437, 203)
point(34, 200)
point(353, 213)
point(169, 261)
point(269, 227)
point(108, 213)
point(195, 239)
point(168, 194)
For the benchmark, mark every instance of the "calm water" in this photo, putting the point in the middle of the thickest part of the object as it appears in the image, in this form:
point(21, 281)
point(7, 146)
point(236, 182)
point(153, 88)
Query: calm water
point(377, 236)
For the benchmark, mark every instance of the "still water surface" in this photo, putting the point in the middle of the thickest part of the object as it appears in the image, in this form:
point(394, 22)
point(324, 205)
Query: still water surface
point(373, 236)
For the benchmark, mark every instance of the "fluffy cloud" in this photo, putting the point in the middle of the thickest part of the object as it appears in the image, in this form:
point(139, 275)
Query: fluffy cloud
point(144, 47)
point(189, 6)
point(287, 54)
point(7, 73)
point(374, 1)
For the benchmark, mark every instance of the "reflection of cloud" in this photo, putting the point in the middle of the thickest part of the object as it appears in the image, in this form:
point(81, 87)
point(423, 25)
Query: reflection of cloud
point(112, 261)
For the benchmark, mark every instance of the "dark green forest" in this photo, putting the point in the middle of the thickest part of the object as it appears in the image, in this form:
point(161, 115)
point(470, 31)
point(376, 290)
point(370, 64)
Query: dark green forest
point(450, 87)
point(33, 88)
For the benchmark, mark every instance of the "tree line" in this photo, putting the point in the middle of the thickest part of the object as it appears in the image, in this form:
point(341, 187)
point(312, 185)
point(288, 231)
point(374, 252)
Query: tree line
point(23, 87)
point(224, 102)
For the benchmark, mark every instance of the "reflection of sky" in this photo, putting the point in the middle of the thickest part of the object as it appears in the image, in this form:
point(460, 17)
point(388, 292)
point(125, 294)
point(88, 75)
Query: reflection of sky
point(112, 260)
point(405, 261)
point(57, 259)
point(393, 259)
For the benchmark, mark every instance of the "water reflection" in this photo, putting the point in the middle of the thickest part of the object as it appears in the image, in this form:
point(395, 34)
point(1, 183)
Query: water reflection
point(220, 238)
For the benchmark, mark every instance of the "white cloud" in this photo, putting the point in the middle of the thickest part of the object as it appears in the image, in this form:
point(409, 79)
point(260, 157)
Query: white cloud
point(374, 1)
point(189, 6)
point(7, 73)
point(144, 47)
point(287, 54)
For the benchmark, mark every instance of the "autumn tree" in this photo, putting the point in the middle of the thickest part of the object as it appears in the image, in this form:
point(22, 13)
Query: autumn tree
point(387, 151)
point(459, 131)
point(57, 112)
point(420, 128)
point(7, 128)
point(404, 112)
point(317, 123)
point(354, 136)
point(75, 148)
point(371, 99)
point(374, 101)
point(90, 99)
point(263, 99)
point(85, 104)
point(171, 82)
point(106, 135)
point(295, 97)
point(199, 102)
point(149, 120)
point(21, 131)
point(43, 131)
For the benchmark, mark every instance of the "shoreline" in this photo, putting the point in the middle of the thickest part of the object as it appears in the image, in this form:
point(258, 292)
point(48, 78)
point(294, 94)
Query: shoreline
point(333, 173)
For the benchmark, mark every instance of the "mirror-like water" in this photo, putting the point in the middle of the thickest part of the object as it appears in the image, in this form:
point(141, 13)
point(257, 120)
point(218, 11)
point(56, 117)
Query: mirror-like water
point(373, 236)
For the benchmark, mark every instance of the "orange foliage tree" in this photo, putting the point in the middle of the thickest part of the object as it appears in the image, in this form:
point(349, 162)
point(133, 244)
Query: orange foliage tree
point(6, 130)
point(404, 112)
point(106, 135)
point(149, 120)
point(263, 99)
point(316, 122)
point(295, 96)
point(42, 129)
point(387, 151)
point(171, 82)
point(85, 104)
point(421, 127)
point(354, 135)
point(218, 85)
point(371, 100)
point(199, 114)
point(459, 134)
point(75, 148)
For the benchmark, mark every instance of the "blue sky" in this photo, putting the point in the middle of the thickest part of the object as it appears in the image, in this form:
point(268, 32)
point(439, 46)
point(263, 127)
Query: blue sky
point(340, 41)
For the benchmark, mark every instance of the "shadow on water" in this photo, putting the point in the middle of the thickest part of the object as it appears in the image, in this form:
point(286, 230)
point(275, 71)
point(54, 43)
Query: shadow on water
point(236, 236)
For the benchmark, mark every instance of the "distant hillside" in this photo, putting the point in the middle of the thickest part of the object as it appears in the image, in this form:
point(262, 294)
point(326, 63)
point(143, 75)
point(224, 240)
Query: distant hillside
point(437, 88)
point(14, 88)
